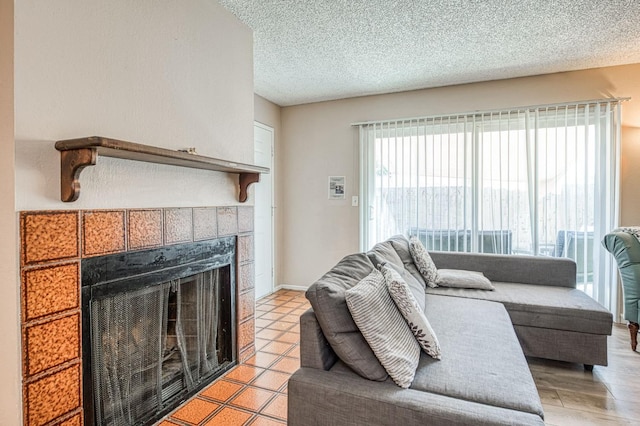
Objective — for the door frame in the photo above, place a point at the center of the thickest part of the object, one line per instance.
(271, 177)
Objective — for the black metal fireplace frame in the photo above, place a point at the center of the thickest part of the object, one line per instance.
(107, 275)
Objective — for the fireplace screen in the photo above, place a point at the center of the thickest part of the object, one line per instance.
(153, 345)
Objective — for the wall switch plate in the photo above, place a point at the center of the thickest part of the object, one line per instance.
(354, 201)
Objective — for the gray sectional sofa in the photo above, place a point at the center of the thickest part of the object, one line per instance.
(483, 377)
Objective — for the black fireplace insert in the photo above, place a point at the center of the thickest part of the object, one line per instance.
(157, 326)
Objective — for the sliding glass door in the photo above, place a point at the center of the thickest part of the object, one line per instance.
(532, 181)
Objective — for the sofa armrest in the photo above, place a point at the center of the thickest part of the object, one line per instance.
(549, 271)
(315, 351)
(624, 247)
(327, 398)
(626, 251)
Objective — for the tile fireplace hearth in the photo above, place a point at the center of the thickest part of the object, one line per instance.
(53, 246)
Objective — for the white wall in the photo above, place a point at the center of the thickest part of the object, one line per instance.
(10, 390)
(630, 172)
(158, 72)
(318, 141)
(173, 74)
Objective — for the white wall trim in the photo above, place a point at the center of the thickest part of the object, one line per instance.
(290, 287)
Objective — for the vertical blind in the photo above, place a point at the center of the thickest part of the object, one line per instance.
(534, 180)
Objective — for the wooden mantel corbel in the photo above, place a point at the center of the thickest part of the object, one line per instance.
(76, 154)
(71, 164)
(244, 180)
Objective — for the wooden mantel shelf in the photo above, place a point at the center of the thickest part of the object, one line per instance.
(76, 154)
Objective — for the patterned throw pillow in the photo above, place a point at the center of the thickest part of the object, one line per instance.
(384, 328)
(417, 289)
(410, 310)
(423, 261)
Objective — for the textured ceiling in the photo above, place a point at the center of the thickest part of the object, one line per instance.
(315, 50)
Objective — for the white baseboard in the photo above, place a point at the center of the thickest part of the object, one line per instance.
(290, 287)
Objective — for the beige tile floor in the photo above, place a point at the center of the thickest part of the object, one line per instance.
(255, 392)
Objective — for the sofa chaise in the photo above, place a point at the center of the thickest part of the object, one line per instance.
(483, 377)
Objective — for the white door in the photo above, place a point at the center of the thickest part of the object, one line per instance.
(263, 225)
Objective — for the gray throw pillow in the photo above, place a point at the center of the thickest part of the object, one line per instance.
(423, 261)
(327, 297)
(400, 244)
(412, 312)
(384, 328)
(459, 278)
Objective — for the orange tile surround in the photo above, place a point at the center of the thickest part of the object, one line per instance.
(76, 420)
(178, 226)
(52, 396)
(52, 343)
(255, 392)
(245, 246)
(246, 302)
(52, 246)
(246, 332)
(247, 277)
(50, 290)
(205, 223)
(144, 228)
(49, 236)
(227, 221)
(245, 219)
(103, 232)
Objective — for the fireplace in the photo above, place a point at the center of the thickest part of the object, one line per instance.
(55, 246)
(157, 326)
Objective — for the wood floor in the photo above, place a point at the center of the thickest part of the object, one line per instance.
(255, 392)
(608, 396)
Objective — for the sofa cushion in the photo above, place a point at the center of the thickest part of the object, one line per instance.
(559, 308)
(384, 328)
(459, 278)
(412, 312)
(341, 397)
(483, 363)
(507, 268)
(401, 245)
(385, 254)
(423, 262)
(327, 297)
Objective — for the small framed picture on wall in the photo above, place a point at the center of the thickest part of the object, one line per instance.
(336, 187)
